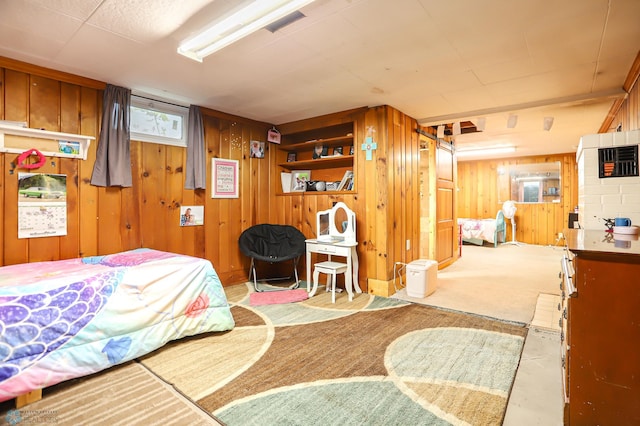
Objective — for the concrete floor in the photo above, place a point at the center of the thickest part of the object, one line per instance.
(536, 397)
(496, 282)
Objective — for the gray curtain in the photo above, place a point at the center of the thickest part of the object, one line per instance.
(113, 157)
(196, 173)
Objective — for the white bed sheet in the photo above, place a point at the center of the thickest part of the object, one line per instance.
(481, 229)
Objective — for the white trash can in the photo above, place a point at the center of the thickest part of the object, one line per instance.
(422, 277)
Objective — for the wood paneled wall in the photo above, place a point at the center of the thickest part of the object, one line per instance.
(386, 199)
(108, 220)
(57, 104)
(536, 223)
(629, 113)
(386, 196)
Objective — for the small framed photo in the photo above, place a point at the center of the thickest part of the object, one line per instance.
(320, 151)
(191, 215)
(337, 150)
(291, 157)
(351, 150)
(257, 149)
(299, 179)
(273, 135)
(69, 147)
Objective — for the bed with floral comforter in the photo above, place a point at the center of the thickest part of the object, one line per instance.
(65, 319)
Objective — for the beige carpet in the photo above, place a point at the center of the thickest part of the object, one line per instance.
(501, 282)
(123, 395)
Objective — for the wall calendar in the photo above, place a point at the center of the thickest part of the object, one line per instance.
(42, 205)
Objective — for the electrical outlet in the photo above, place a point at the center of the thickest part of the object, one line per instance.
(408, 245)
(560, 235)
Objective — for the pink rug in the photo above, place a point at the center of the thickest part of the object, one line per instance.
(277, 297)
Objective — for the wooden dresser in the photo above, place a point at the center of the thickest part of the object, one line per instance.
(600, 329)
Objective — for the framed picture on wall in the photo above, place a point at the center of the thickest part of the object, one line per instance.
(291, 157)
(257, 149)
(191, 215)
(224, 178)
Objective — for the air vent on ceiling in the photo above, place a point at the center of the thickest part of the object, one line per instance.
(283, 22)
(621, 161)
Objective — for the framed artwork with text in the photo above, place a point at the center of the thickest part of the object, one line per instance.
(224, 178)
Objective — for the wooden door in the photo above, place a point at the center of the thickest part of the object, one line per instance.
(446, 228)
(427, 168)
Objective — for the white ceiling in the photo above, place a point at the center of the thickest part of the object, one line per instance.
(438, 61)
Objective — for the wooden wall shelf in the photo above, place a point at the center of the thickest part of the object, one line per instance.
(319, 163)
(16, 140)
(308, 145)
(327, 168)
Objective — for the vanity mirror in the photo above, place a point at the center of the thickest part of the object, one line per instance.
(530, 183)
(336, 224)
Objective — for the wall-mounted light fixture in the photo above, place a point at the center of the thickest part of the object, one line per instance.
(252, 17)
(512, 121)
(481, 124)
(547, 123)
(456, 129)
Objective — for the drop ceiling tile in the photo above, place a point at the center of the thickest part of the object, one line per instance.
(78, 9)
(33, 22)
(159, 18)
(518, 67)
(110, 56)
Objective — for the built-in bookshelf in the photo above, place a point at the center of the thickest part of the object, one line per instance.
(327, 153)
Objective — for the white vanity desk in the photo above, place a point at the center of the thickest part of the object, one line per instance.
(334, 242)
(340, 248)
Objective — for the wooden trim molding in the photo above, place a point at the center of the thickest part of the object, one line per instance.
(65, 77)
(633, 75)
(629, 82)
(613, 111)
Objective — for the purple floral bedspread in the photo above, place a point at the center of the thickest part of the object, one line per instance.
(70, 318)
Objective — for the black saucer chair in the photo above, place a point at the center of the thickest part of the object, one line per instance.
(272, 244)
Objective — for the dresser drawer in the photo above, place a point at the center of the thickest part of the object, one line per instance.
(325, 249)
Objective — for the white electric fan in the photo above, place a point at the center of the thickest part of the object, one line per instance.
(509, 210)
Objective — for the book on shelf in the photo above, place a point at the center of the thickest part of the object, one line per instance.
(347, 180)
(286, 181)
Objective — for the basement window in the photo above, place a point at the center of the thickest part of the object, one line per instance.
(158, 121)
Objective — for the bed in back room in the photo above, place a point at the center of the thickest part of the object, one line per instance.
(477, 231)
(65, 319)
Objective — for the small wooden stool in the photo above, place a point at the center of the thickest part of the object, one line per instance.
(331, 269)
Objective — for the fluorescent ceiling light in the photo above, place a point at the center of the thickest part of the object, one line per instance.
(252, 17)
(485, 151)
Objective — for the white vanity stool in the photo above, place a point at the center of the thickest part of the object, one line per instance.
(331, 269)
(336, 237)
